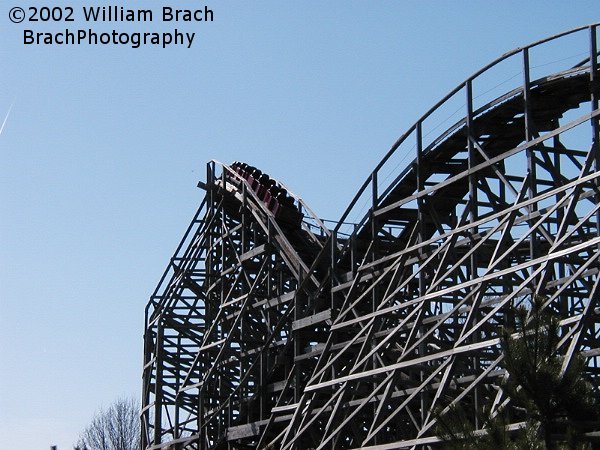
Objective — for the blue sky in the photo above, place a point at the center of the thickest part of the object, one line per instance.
(103, 148)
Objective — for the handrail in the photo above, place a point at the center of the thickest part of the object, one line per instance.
(305, 207)
(373, 175)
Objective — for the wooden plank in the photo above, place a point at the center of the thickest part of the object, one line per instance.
(244, 431)
(311, 320)
(284, 408)
(254, 252)
(275, 301)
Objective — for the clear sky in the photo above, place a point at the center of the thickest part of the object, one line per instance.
(103, 147)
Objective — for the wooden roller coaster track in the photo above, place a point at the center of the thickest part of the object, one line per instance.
(269, 330)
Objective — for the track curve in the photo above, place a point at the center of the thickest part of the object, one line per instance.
(493, 213)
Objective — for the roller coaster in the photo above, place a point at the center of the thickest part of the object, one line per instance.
(270, 330)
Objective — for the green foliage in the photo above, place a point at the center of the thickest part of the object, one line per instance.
(558, 401)
(458, 433)
(554, 403)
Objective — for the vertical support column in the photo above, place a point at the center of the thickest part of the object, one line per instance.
(262, 387)
(201, 427)
(224, 329)
(375, 289)
(473, 216)
(147, 375)
(420, 187)
(374, 239)
(244, 392)
(177, 391)
(375, 196)
(353, 260)
(560, 213)
(595, 83)
(210, 184)
(212, 261)
(374, 226)
(296, 366)
(333, 269)
(158, 387)
(422, 282)
(244, 218)
(221, 425)
(530, 152)
(264, 356)
(472, 162)
(595, 87)
(203, 403)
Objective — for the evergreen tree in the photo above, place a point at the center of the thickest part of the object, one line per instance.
(561, 403)
(557, 406)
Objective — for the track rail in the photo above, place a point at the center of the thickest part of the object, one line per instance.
(500, 209)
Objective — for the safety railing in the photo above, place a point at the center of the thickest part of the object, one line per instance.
(512, 73)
